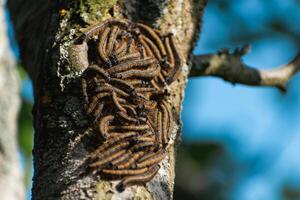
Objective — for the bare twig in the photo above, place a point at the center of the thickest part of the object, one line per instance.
(230, 67)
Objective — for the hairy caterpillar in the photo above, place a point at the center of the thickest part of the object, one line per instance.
(130, 65)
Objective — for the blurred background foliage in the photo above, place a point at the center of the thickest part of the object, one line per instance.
(238, 142)
(25, 127)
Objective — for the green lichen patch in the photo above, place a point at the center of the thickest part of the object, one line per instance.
(104, 190)
(142, 194)
(95, 10)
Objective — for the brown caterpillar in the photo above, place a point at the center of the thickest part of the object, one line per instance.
(131, 160)
(112, 141)
(151, 160)
(138, 179)
(124, 93)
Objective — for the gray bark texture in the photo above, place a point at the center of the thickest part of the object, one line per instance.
(230, 67)
(45, 31)
(11, 183)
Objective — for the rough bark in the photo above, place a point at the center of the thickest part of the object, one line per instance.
(11, 183)
(45, 31)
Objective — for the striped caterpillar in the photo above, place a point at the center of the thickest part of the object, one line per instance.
(124, 93)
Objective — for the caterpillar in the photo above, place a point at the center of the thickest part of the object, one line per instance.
(123, 90)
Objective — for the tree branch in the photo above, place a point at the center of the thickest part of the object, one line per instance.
(230, 67)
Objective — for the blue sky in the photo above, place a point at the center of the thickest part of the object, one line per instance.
(258, 126)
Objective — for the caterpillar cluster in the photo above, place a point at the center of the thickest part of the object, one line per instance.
(124, 90)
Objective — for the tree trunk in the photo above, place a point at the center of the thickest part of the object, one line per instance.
(45, 31)
(11, 184)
